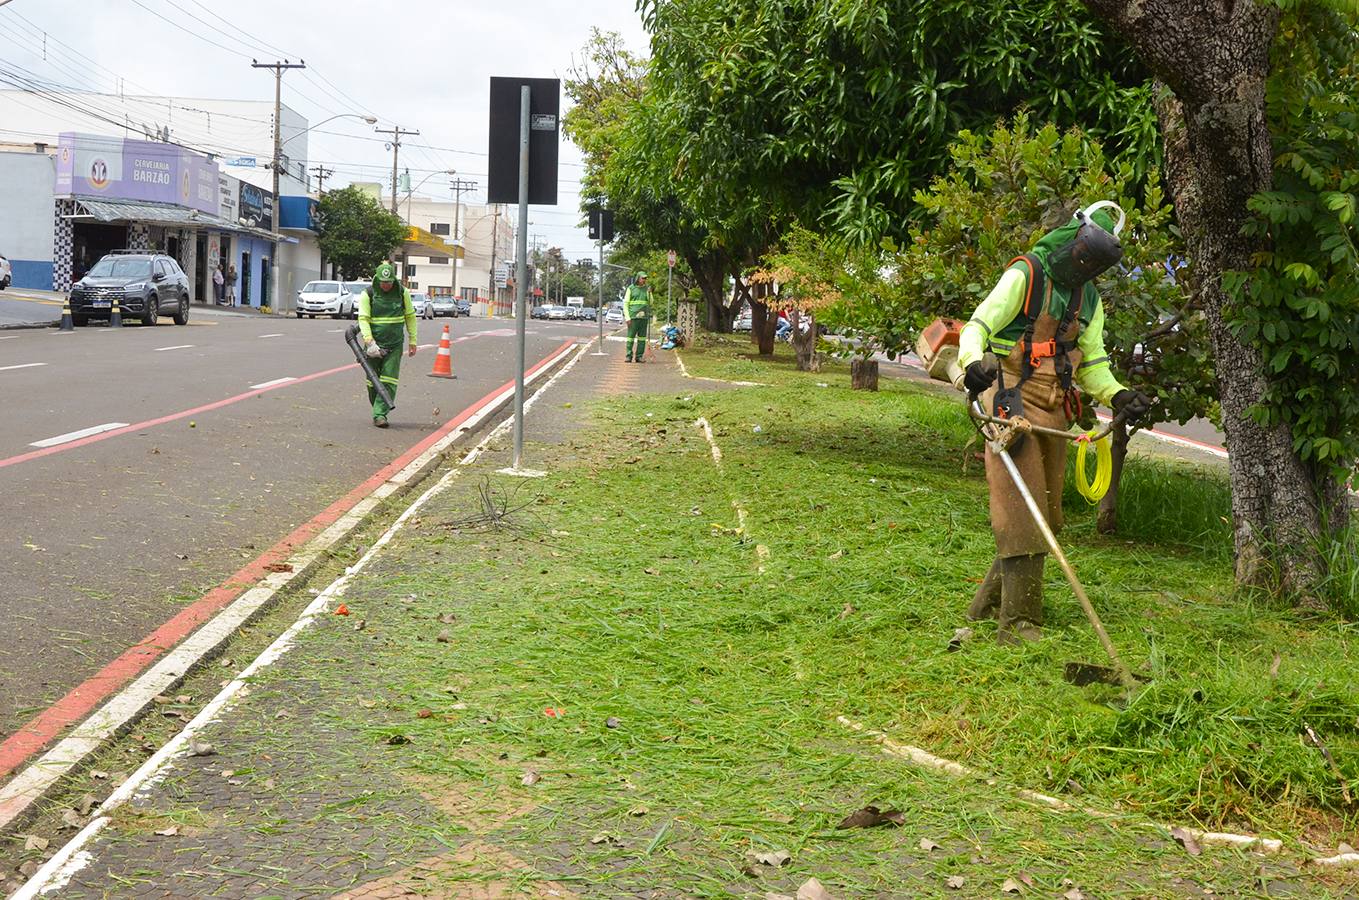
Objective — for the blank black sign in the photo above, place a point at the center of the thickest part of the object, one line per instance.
(502, 183)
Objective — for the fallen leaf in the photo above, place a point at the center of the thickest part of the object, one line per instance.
(225, 663)
(87, 803)
(955, 882)
(448, 618)
(1274, 669)
(554, 712)
(33, 842)
(780, 818)
(1011, 887)
(342, 610)
(269, 784)
(227, 773)
(98, 774)
(73, 819)
(180, 556)
(285, 714)
(235, 781)
(612, 722)
(960, 636)
(1186, 840)
(162, 700)
(368, 703)
(1025, 878)
(639, 810)
(812, 890)
(445, 637)
(397, 740)
(837, 554)
(1074, 894)
(928, 845)
(847, 611)
(458, 706)
(201, 748)
(770, 895)
(774, 858)
(530, 778)
(28, 869)
(360, 624)
(425, 713)
(871, 817)
(1074, 786)
(278, 567)
(169, 832)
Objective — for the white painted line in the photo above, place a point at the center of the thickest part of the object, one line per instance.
(77, 435)
(269, 384)
(279, 334)
(40, 776)
(8, 337)
(176, 347)
(24, 366)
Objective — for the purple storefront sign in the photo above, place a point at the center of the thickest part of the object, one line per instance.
(92, 165)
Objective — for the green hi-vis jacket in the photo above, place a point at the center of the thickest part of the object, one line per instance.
(999, 320)
(639, 299)
(383, 315)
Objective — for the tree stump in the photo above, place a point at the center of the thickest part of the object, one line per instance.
(863, 374)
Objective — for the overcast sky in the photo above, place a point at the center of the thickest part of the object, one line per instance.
(421, 64)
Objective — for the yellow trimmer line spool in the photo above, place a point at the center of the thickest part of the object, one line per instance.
(1104, 468)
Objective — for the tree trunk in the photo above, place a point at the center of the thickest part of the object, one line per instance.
(863, 374)
(804, 345)
(1214, 55)
(1107, 521)
(710, 271)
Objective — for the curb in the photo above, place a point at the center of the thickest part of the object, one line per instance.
(43, 775)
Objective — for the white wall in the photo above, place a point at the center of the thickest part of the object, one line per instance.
(27, 181)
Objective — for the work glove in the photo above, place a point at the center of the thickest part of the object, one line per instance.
(976, 379)
(373, 350)
(1133, 404)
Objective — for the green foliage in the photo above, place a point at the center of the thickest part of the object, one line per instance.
(836, 113)
(1004, 191)
(355, 233)
(1298, 306)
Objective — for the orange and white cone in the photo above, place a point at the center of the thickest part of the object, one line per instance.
(443, 362)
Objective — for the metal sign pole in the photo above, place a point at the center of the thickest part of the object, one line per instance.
(521, 275)
(599, 313)
(669, 279)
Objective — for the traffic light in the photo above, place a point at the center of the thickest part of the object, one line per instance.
(601, 224)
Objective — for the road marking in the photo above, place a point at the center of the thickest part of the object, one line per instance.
(280, 334)
(77, 435)
(24, 366)
(36, 300)
(302, 550)
(176, 347)
(8, 337)
(269, 384)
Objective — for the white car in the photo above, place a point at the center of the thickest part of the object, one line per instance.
(325, 298)
(423, 308)
(559, 312)
(614, 316)
(6, 276)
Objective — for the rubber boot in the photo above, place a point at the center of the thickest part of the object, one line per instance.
(1021, 599)
(986, 604)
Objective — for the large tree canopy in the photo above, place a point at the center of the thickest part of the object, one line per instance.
(355, 233)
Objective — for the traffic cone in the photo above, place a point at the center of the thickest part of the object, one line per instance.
(116, 316)
(443, 361)
(67, 323)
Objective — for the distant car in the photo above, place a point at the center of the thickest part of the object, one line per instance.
(6, 276)
(559, 312)
(142, 282)
(539, 312)
(443, 306)
(588, 313)
(464, 306)
(743, 321)
(356, 288)
(325, 298)
(613, 316)
(423, 308)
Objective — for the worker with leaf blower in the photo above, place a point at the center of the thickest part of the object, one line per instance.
(637, 309)
(1045, 323)
(386, 316)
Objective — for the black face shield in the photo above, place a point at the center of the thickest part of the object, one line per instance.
(1092, 251)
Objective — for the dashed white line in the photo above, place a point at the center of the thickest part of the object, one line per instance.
(280, 334)
(24, 366)
(176, 347)
(77, 435)
(269, 384)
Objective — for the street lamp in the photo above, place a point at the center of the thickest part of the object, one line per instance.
(410, 191)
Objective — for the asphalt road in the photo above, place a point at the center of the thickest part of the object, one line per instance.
(109, 537)
(20, 306)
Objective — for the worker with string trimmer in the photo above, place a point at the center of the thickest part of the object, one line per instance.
(1045, 322)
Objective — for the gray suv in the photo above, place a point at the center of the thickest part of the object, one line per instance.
(144, 283)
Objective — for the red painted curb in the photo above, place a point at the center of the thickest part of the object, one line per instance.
(35, 734)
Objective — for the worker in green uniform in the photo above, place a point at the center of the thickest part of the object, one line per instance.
(386, 316)
(637, 309)
(1045, 322)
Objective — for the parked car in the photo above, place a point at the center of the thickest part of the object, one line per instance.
(326, 298)
(355, 289)
(443, 306)
(423, 309)
(588, 314)
(559, 312)
(538, 312)
(743, 321)
(613, 316)
(6, 275)
(464, 306)
(143, 282)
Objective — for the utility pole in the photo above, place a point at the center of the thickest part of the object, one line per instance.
(495, 234)
(322, 173)
(395, 131)
(458, 187)
(278, 68)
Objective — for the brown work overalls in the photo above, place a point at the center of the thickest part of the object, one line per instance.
(1041, 459)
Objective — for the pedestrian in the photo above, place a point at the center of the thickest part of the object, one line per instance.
(218, 285)
(386, 316)
(637, 310)
(231, 285)
(1045, 322)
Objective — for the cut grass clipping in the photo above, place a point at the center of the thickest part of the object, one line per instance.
(643, 602)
